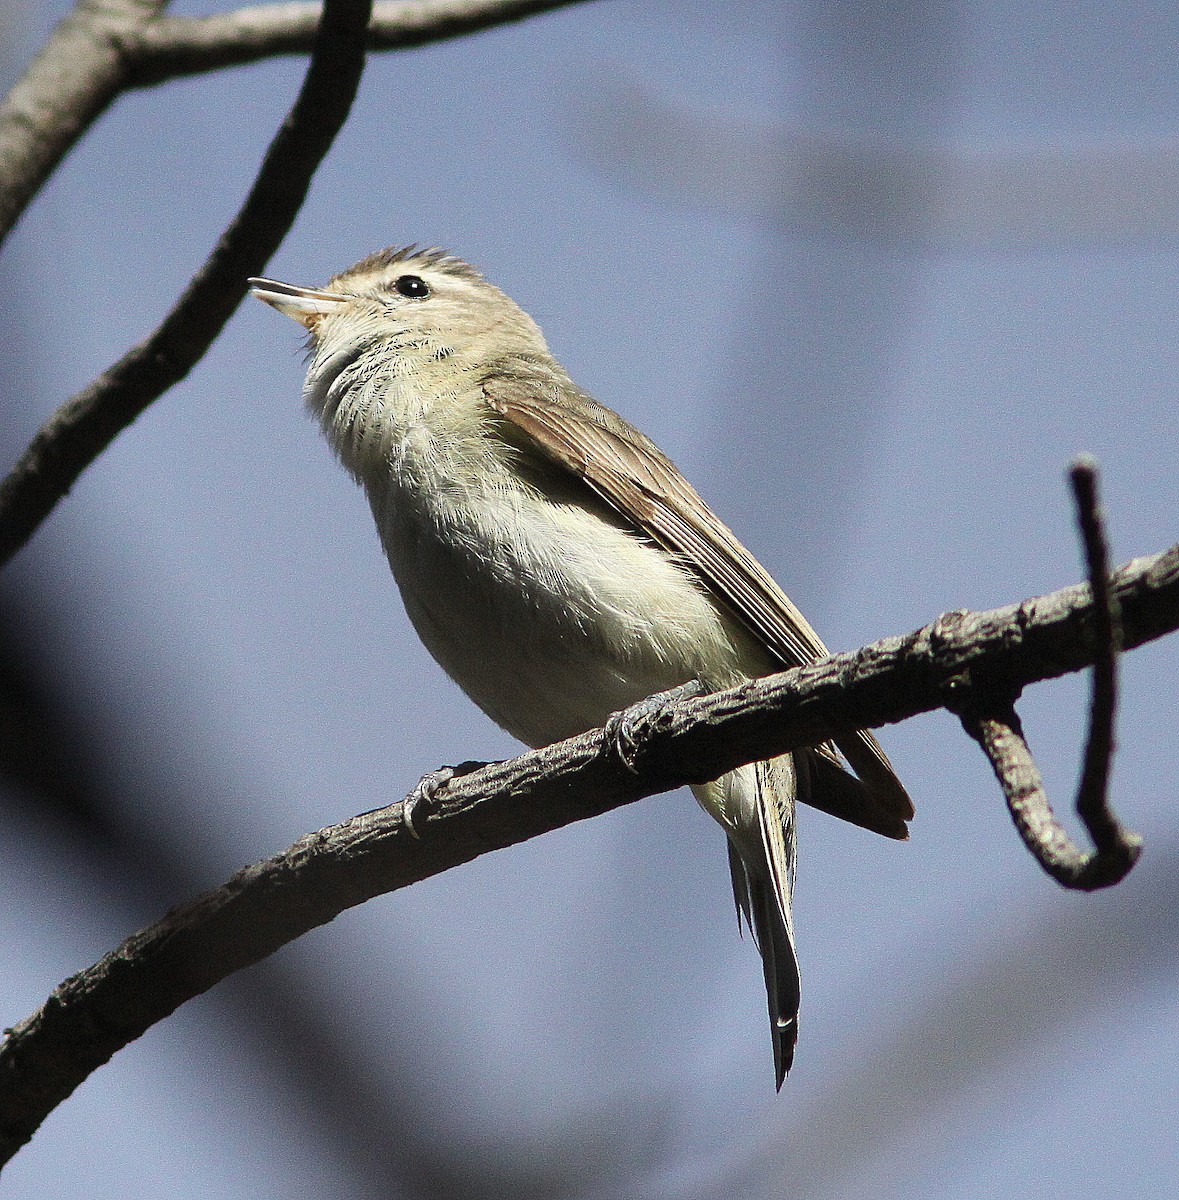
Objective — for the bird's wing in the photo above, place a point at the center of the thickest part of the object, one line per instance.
(640, 482)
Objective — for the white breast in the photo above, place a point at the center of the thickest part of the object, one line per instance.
(547, 612)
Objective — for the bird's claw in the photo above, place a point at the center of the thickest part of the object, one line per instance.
(627, 730)
(426, 790)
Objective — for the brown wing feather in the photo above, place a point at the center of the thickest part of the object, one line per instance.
(639, 481)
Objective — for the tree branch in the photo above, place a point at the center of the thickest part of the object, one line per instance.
(990, 718)
(173, 47)
(99, 50)
(105, 47)
(93, 1014)
(84, 426)
(1117, 849)
(78, 72)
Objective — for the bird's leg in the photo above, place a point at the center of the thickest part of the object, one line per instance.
(627, 730)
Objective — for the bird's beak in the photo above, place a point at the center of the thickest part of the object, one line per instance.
(308, 306)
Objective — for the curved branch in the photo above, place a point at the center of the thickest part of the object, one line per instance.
(84, 426)
(990, 718)
(101, 49)
(92, 1015)
(173, 47)
(68, 85)
(105, 47)
(999, 732)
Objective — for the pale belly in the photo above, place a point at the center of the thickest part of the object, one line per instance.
(549, 614)
(553, 617)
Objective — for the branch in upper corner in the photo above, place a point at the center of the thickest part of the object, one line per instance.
(173, 47)
(103, 48)
(83, 427)
(81, 68)
(99, 50)
(989, 716)
(95, 1013)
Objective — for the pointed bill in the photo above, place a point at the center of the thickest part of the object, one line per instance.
(306, 305)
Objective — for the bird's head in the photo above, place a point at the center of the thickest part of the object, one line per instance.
(423, 304)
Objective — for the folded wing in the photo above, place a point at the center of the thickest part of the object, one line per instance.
(640, 482)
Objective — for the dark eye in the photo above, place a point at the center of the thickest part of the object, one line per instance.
(413, 286)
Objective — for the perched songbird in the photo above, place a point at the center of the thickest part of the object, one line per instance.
(555, 562)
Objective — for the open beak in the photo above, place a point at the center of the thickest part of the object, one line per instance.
(308, 306)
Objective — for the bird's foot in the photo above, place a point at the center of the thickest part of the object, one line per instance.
(426, 790)
(627, 730)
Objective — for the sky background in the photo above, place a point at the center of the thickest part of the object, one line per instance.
(872, 274)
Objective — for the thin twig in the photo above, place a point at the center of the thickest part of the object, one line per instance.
(989, 716)
(100, 1010)
(84, 426)
(1113, 842)
(173, 47)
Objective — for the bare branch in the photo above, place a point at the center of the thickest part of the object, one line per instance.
(92, 1015)
(84, 426)
(988, 715)
(105, 47)
(999, 732)
(79, 71)
(172, 47)
(1115, 846)
(95, 53)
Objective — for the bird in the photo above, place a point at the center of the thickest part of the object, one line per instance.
(557, 564)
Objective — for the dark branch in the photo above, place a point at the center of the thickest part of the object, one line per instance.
(1117, 849)
(106, 46)
(172, 47)
(1002, 739)
(83, 427)
(988, 715)
(100, 1010)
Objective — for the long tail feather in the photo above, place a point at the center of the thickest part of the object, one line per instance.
(760, 804)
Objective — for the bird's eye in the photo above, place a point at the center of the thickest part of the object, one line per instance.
(413, 286)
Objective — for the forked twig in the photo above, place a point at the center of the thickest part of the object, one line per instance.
(992, 721)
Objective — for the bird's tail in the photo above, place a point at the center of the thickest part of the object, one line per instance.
(759, 800)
